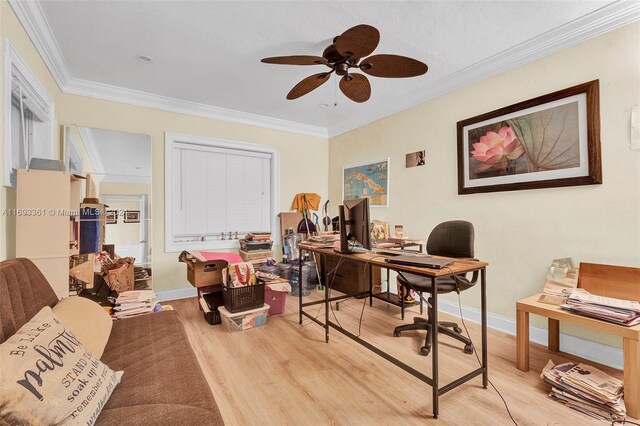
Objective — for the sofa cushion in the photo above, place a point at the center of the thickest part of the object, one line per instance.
(47, 377)
(87, 320)
(163, 382)
(23, 292)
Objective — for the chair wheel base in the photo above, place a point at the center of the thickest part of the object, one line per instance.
(396, 333)
(468, 349)
(424, 351)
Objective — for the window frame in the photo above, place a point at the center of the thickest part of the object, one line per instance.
(12, 59)
(171, 140)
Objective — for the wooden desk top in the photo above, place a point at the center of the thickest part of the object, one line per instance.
(531, 304)
(377, 259)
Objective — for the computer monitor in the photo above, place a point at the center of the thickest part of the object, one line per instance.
(354, 225)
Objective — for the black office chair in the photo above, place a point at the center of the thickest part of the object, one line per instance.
(448, 239)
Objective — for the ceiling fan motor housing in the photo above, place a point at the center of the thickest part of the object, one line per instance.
(342, 68)
(331, 54)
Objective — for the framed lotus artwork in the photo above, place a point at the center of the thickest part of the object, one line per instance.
(549, 141)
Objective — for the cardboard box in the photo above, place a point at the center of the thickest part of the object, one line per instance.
(250, 256)
(289, 220)
(208, 273)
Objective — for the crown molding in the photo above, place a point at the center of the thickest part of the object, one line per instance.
(32, 18)
(607, 18)
(598, 22)
(135, 97)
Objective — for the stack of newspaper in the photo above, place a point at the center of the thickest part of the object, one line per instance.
(586, 389)
(562, 279)
(619, 311)
(131, 303)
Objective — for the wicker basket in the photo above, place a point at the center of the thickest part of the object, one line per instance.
(238, 299)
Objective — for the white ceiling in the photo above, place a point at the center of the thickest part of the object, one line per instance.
(208, 52)
(118, 157)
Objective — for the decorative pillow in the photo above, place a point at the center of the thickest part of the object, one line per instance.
(47, 377)
(87, 320)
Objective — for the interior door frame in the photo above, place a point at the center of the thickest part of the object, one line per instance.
(143, 201)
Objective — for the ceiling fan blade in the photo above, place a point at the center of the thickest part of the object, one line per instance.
(356, 87)
(392, 66)
(308, 84)
(295, 60)
(358, 41)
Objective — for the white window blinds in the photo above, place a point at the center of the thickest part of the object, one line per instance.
(217, 190)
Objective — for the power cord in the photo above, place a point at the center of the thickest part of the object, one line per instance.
(422, 299)
(335, 269)
(624, 422)
(479, 362)
(364, 302)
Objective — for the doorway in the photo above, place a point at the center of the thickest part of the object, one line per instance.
(129, 232)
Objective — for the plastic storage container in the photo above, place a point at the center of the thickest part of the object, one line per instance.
(269, 267)
(312, 281)
(284, 271)
(244, 320)
(290, 247)
(210, 302)
(275, 299)
(306, 289)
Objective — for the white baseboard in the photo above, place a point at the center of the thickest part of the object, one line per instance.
(603, 354)
(594, 351)
(181, 293)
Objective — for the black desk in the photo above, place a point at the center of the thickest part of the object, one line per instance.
(372, 259)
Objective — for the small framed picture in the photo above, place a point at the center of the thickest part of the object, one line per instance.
(132, 216)
(111, 217)
(414, 159)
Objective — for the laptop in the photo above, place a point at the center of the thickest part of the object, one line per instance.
(420, 261)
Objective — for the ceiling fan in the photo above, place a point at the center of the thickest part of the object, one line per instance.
(346, 53)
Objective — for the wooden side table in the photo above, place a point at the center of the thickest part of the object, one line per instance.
(620, 282)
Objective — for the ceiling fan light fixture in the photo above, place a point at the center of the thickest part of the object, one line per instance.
(347, 51)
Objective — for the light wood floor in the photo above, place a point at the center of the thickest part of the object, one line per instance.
(282, 373)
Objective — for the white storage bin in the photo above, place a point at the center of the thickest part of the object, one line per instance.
(244, 320)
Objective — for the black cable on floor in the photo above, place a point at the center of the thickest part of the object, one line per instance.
(479, 362)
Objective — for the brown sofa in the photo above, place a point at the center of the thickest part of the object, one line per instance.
(162, 382)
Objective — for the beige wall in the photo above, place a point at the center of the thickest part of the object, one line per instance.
(517, 232)
(11, 28)
(122, 233)
(295, 175)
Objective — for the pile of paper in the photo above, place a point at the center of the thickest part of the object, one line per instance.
(586, 389)
(619, 311)
(562, 279)
(131, 303)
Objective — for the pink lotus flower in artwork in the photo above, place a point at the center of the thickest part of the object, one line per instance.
(494, 149)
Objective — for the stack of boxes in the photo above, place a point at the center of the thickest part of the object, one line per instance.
(208, 277)
(233, 307)
(256, 248)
